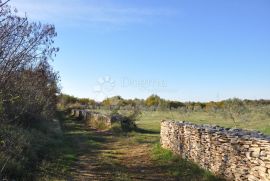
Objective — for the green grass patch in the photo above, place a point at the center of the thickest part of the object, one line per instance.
(180, 168)
(257, 118)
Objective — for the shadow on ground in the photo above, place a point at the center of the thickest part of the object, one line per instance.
(144, 131)
(102, 155)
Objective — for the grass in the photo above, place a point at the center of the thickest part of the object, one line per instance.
(70, 147)
(178, 167)
(35, 154)
(65, 148)
(135, 155)
(63, 155)
(91, 155)
(172, 165)
(257, 118)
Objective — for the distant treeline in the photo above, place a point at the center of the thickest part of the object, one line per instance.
(154, 102)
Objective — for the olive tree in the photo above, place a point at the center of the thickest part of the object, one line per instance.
(235, 109)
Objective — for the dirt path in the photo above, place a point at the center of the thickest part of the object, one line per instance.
(104, 156)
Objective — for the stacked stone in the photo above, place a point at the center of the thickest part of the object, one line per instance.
(93, 119)
(234, 154)
(72, 112)
(76, 113)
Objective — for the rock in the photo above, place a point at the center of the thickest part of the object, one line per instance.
(252, 178)
(234, 153)
(255, 154)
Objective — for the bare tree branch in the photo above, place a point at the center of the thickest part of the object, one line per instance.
(4, 3)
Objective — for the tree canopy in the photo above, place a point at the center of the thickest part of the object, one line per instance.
(28, 84)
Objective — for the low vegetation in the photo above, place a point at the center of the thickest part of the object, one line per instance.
(232, 113)
(133, 155)
(247, 114)
(125, 123)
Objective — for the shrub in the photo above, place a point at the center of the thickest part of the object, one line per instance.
(127, 123)
(1, 109)
(28, 84)
(21, 151)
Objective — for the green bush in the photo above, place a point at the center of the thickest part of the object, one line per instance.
(15, 143)
(128, 124)
(22, 150)
(123, 123)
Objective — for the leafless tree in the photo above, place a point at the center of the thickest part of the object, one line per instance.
(27, 83)
(235, 109)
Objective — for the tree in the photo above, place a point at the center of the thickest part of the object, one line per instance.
(28, 85)
(153, 100)
(131, 103)
(175, 104)
(32, 95)
(3, 3)
(106, 102)
(235, 108)
(139, 103)
(92, 103)
(66, 100)
(84, 101)
(22, 44)
(114, 102)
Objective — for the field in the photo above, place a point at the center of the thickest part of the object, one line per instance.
(81, 153)
(113, 155)
(97, 155)
(257, 119)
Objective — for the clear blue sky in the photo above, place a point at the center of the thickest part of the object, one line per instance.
(189, 50)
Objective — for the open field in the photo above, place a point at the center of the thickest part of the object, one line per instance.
(256, 119)
(137, 155)
(83, 153)
(98, 155)
(152, 120)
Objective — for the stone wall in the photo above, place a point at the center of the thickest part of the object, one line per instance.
(233, 154)
(99, 121)
(92, 119)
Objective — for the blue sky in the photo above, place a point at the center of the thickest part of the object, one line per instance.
(189, 50)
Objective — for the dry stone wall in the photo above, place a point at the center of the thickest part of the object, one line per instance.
(92, 119)
(99, 121)
(233, 154)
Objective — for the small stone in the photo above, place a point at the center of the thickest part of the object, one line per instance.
(253, 178)
(255, 154)
(263, 153)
